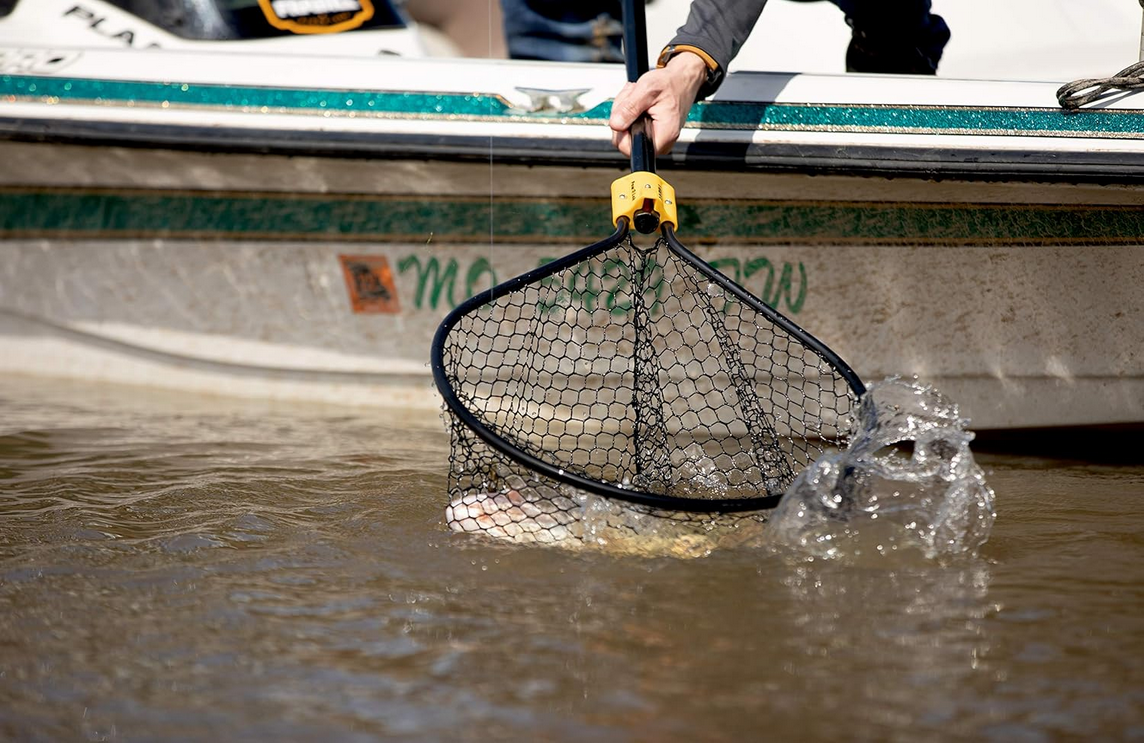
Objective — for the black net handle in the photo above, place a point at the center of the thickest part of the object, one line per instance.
(635, 62)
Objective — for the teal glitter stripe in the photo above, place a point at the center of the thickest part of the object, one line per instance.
(68, 214)
(717, 114)
(938, 119)
(476, 105)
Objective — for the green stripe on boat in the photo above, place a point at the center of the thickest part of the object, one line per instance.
(70, 213)
(1012, 121)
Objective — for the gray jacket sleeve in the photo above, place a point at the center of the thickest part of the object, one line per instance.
(720, 28)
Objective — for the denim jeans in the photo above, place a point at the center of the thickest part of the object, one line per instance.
(889, 35)
(564, 30)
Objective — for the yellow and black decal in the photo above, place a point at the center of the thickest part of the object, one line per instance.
(317, 16)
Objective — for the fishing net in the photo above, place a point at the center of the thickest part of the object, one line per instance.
(639, 374)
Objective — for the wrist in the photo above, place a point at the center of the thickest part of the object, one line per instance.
(693, 64)
(689, 68)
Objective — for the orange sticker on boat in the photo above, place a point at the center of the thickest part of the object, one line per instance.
(370, 284)
(317, 16)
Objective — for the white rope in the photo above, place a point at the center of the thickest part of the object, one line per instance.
(1083, 92)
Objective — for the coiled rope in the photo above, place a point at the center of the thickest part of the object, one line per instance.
(1083, 92)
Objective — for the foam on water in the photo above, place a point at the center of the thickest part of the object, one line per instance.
(907, 483)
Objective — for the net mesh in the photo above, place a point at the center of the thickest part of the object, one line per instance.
(634, 371)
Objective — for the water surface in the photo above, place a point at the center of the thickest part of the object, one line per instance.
(185, 568)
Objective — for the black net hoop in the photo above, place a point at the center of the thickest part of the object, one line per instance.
(637, 374)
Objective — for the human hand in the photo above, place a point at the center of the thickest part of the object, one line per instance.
(665, 95)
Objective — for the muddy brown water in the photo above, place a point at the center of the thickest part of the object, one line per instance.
(188, 568)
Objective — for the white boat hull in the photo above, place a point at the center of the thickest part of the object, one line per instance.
(217, 254)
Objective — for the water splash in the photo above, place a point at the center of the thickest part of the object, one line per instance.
(907, 483)
(699, 474)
